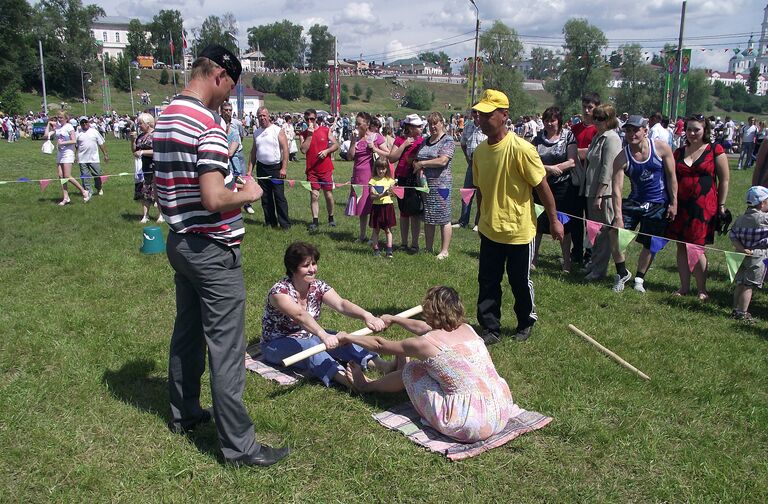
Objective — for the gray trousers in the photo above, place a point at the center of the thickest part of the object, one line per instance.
(210, 311)
(90, 171)
(601, 250)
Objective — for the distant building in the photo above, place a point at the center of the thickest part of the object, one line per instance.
(414, 66)
(253, 61)
(731, 78)
(252, 101)
(111, 32)
(744, 60)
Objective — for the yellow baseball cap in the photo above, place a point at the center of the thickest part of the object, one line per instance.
(491, 100)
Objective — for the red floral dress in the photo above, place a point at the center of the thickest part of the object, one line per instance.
(696, 197)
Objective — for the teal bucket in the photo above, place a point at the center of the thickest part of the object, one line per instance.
(154, 242)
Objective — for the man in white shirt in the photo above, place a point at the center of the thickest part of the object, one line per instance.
(729, 130)
(657, 131)
(748, 133)
(269, 157)
(89, 142)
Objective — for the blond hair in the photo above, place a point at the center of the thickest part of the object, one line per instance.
(443, 308)
(146, 118)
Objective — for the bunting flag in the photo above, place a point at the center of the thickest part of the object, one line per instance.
(398, 191)
(124, 174)
(23, 179)
(733, 260)
(539, 209)
(291, 182)
(277, 181)
(378, 189)
(694, 253)
(593, 229)
(657, 243)
(103, 178)
(444, 193)
(43, 184)
(358, 190)
(63, 181)
(564, 219)
(466, 195)
(422, 189)
(625, 237)
(306, 185)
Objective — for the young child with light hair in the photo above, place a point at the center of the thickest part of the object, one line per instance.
(749, 235)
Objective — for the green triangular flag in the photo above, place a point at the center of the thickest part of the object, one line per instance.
(422, 189)
(539, 209)
(123, 174)
(625, 236)
(733, 260)
(306, 185)
(358, 190)
(63, 181)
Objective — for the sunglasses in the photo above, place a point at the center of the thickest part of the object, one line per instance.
(310, 118)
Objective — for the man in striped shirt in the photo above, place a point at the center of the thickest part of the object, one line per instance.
(196, 197)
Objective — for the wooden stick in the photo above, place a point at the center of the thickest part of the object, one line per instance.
(609, 353)
(309, 352)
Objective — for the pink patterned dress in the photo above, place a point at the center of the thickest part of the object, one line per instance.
(458, 391)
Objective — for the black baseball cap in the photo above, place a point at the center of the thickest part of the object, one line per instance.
(224, 58)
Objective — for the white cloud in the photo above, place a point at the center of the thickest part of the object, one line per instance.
(355, 13)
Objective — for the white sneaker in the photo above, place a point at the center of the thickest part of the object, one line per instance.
(249, 209)
(160, 219)
(87, 197)
(639, 285)
(619, 281)
(101, 192)
(144, 220)
(474, 229)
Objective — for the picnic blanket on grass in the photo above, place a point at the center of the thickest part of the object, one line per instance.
(255, 362)
(405, 419)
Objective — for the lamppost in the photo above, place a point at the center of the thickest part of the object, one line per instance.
(477, 43)
(82, 84)
(239, 87)
(130, 87)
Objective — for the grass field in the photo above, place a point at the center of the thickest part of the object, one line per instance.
(85, 325)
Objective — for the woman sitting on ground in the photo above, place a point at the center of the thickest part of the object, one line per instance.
(290, 325)
(453, 385)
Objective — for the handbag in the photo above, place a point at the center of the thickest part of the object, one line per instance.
(47, 147)
(138, 173)
(351, 204)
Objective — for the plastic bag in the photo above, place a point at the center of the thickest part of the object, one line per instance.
(47, 147)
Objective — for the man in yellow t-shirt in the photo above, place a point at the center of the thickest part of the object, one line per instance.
(505, 170)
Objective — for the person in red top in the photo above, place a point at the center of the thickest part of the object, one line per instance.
(318, 144)
(583, 131)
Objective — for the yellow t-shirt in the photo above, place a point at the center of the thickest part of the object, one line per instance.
(382, 184)
(505, 174)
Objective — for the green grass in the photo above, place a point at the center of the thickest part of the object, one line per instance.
(85, 325)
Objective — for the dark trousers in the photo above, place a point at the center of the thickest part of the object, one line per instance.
(273, 200)
(210, 312)
(494, 259)
(576, 228)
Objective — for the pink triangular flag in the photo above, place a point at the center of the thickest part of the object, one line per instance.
(103, 178)
(398, 191)
(291, 183)
(694, 252)
(466, 195)
(44, 183)
(593, 229)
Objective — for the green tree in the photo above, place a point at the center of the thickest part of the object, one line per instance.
(660, 59)
(317, 87)
(138, 45)
(10, 98)
(165, 25)
(720, 90)
(263, 83)
(369, 94)
(583, 69)
(120, 73)
(501, 49)
(418, 97)
(16, 51)
(357, 90)
(543, 61)
(320, 46)
(164, 77)
(754, 73)
(64, 27)
(289, 87)
(641, 88)
(281, 43)
(440, 58)
(699, 90)
(215, 31)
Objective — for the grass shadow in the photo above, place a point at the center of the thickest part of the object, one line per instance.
(134, 384)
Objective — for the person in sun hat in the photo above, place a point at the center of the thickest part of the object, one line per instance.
(196, 197)
(749, 235)
(506, 170)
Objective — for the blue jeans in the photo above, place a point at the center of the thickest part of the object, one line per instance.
(746, 154)
(323, 365)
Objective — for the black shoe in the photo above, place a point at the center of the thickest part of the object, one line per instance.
(331, 223)
(264, 457)
(490, 337)
(205, 418)
(523, 334)
(312, 228)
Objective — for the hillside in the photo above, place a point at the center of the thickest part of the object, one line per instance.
(384, 98)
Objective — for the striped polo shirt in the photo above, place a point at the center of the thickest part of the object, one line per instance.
(189, 140)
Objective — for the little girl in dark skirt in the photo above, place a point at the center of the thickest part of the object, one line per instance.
(383, 208)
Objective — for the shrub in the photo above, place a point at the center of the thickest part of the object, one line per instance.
(418, 97)
(289, 87)
(263, 83)
(164, 77)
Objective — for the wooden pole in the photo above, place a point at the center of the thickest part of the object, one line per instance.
(609, 353)
(309, 352)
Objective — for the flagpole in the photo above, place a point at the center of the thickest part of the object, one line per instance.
(184, 55)
(173, 69)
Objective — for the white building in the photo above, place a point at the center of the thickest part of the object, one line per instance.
(751, 56)
(111, 32)
(731, 78)
(252, 61)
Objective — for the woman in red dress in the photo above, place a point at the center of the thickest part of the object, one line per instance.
(702, 188)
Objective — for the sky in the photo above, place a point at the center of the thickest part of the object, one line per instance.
(395, 29)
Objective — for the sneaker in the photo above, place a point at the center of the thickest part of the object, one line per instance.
(639, 285)
(332, 223)
(160, 219)
(376, 253)
(490, 337)
(312, 228)
(474, 229)
(101, 192)
(457, 225)
(442, 255)
(144, 220)
(523, 334)
(619, 281)
(249, 209)
(87, 197)
(389, 254)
